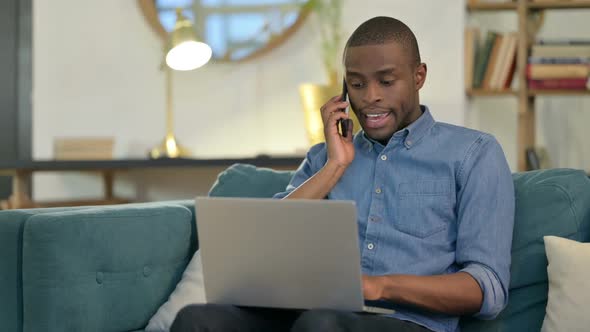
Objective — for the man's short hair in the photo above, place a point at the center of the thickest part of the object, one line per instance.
(382, 30)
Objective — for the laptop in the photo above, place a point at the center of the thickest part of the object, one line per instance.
(290, 254)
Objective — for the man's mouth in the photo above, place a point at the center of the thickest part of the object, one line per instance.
(376, 120)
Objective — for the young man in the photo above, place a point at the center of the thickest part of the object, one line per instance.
(435, 201)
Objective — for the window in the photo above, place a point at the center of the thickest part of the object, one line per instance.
(233, 28)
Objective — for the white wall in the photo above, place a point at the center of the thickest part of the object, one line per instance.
(96, 73)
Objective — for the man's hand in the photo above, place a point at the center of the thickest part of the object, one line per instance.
(340, 149)
(372, 288)
(340, 154)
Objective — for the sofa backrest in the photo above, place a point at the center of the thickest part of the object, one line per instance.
(548, 202)
(78, 269)
(11, 230)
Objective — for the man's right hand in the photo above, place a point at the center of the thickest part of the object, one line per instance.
(340, 149)
(340, 154)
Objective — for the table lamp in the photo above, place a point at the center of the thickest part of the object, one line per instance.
(185, 52)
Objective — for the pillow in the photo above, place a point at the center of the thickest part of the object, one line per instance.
(569, 290)
(243, 180)
(190, 290)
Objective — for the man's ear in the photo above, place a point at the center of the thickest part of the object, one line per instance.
(420, 75)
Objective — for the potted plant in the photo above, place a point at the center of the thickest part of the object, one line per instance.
(328, 17)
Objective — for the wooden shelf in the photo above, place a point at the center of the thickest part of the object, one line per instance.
(571, 4)
(559, 92)
(525, 122)
(481, 6)
(538, 92)
(485, 92)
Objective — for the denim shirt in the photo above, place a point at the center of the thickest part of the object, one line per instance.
(437, 199)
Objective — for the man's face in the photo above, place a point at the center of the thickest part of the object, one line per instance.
(383, 83)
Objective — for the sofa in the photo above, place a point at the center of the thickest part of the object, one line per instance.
(109, 268)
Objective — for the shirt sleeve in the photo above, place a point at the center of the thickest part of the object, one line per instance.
(307, 169)
(485, 212)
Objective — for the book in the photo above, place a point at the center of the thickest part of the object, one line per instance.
(560, 51)
(471, 42)
(83, 148)
(483, 58)
(511, 72)
(561, 84)
(493, 62)
(509, 66)
(546, 41)
(551, 1)
(495, 69)
(543, 71)
(572, 61)
(501, 63)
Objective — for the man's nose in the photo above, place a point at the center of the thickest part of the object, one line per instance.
(372, 93)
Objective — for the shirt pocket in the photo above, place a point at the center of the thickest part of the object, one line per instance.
(423, 207)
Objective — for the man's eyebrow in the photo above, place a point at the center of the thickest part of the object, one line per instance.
(387, 70)
(350, 72)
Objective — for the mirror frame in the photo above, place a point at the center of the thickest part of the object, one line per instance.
(150, 12)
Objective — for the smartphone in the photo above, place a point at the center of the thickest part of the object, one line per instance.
(345, 123)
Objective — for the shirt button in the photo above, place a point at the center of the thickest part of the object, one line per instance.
(370, 246)
(378, 190)
(383, 157)
(408, 142)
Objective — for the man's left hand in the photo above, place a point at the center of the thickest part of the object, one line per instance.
(372, 287)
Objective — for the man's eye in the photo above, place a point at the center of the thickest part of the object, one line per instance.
(357, 85)
(387, 82)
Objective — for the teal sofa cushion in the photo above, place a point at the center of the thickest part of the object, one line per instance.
(10, 282)
(548, 202)
(102, 269)
(243, 180)
(11, 229)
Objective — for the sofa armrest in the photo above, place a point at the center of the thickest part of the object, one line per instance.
(102, 269)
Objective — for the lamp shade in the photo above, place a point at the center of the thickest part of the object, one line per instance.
(186, 52)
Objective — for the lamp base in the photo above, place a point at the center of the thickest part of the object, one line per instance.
(169, 148)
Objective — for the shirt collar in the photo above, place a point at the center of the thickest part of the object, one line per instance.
(410, 135)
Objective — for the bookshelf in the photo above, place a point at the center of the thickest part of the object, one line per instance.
(525, 38)
(560, 4)
(474, 6)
